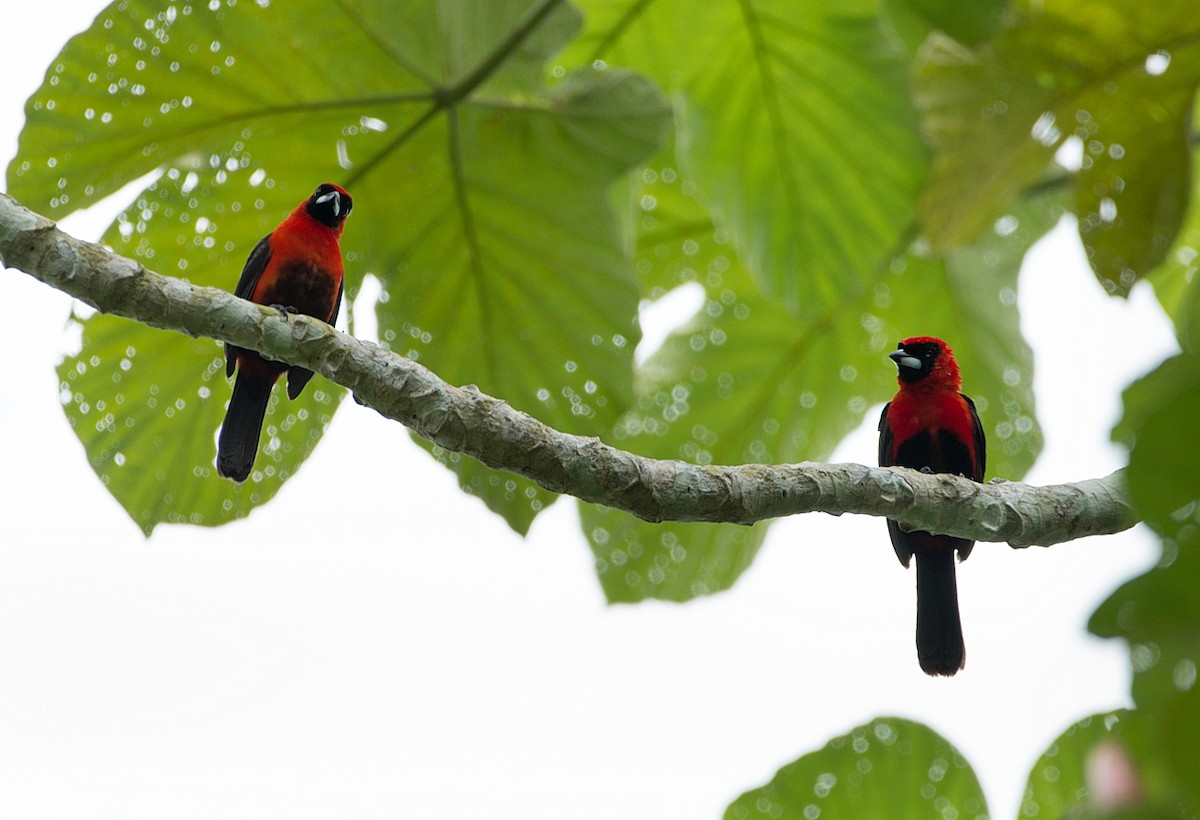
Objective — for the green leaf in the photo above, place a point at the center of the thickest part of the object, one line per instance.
(1160, 605)
(1178, 288)
(796, 127)
(1132, 194)
(1180, 742)
(481, 194)
(746, 382)
(1161, 475)
(146, 406)
(968, 23)
(518, 280)
(889, 767)
(1058, 782)
(1069, 68)
(1146, 395)
(1175, 282)
(1159, 746)
(1158, 615)
(636, 560)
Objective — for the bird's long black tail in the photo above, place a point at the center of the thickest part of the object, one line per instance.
(940, 647)
(237, 446)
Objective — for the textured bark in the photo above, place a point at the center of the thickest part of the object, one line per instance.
(465, 420)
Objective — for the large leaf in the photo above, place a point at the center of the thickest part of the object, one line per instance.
(797, 128)
(1118, 77)
(517, 278)
(480, 201)
(745, 381)
(889, 767)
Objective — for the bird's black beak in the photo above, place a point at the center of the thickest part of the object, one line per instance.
(337, 201)
(902, 359)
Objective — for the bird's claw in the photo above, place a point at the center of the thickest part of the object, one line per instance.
(286, 309)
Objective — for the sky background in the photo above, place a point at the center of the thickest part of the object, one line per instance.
(373, 642)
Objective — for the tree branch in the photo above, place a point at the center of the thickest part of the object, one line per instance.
(465, 420)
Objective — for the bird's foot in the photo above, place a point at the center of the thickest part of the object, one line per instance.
(286, 310)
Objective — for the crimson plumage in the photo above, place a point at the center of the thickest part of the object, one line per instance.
(931, 426)
(297, 268)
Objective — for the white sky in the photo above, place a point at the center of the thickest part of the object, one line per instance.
(374, 643)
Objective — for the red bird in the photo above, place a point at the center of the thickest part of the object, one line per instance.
(932, 427)
(296, 268)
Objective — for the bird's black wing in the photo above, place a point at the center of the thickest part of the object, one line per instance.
(900, 542)
(298, 377)
(256, 263)
(885, 438)
(337, 303)
(980, 441)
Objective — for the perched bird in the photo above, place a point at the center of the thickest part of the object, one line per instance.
(932, 427)
(296, 268)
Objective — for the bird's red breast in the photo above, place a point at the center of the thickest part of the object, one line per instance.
(305, 267)
(913, 412)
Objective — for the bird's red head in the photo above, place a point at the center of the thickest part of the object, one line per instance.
(926, 362)
(329, 205)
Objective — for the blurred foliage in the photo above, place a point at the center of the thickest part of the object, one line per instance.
(1158, 615)
(1162, 478)
(1087, 757)
(1107, 85)
(820, 178)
